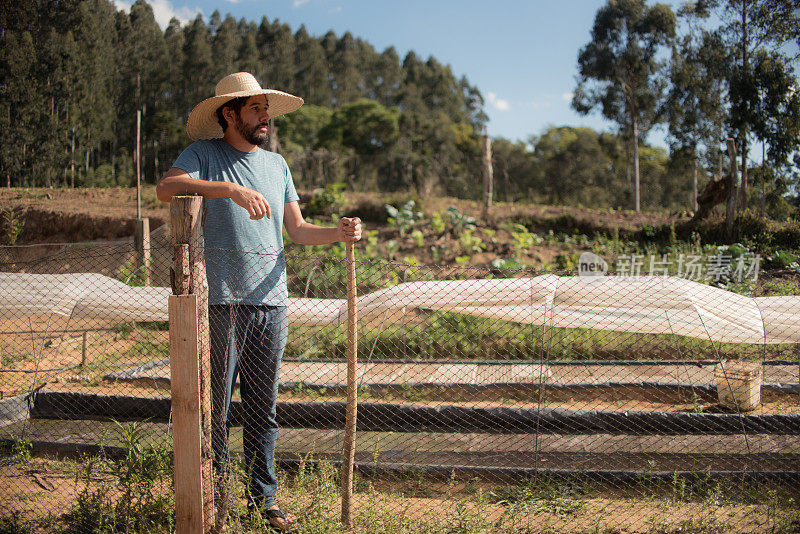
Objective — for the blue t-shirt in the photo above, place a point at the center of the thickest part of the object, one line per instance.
(244, 258)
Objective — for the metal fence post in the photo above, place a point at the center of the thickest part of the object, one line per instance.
(191, 369)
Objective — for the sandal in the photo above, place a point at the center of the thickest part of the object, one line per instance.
(277, 513)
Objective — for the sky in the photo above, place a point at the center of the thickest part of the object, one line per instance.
(521, 54)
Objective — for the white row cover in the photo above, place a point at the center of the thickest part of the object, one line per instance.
(656, 305)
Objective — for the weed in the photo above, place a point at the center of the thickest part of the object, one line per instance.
(13, 226)
(8, 359)
(20, 453)
(135, 500)
(544, 494)
(697, 406)
(14, 524)
(132, 274)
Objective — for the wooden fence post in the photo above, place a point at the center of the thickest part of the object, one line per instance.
(185, 380)
(143, 247)
(733, 192)
(191, 370)
(488, 176)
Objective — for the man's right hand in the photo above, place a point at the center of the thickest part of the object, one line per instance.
(178, 182)
(253, 201)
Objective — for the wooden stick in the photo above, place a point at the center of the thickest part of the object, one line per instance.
(352, 399)
(84, 349)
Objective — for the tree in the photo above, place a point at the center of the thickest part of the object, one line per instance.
(618, 67)
(577, 166)
(198, 63)
(73, 73)
(312, 69)
(225, 45)
(694, 108)
(754, 33)
(345, 69)
(514, 171)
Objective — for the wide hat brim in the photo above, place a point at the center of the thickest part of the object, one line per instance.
(203, 124)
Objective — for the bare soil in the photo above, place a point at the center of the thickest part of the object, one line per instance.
(47, 489)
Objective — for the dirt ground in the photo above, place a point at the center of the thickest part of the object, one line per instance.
(44, 487)
(47, 485)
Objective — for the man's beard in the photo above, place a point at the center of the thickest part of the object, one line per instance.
(251, 135)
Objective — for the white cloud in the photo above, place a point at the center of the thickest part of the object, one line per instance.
(164, 12)
(122, 5)
(298, 3)
(499, 103)
(337, 9)
(567, 96)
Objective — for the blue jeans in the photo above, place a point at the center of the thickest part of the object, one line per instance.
(248, 341)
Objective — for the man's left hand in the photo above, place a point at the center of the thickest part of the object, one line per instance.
(350, 229)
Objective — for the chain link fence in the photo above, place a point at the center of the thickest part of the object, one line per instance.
(490, 399)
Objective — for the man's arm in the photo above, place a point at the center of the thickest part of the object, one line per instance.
(305, 233)
(178, 182)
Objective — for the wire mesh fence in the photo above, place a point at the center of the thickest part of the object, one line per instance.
(506, 400)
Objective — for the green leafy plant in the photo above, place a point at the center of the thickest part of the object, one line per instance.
(523, 242)
(327, 202)
(437, 252)
(391, 249)
(132, 274)
(437, 223)
(419, 238)
(507, 265)
(14, 524)
(405, 218)
(371, 246)
(471, 243)
(460, 221)
(13, 226)
(135, 505)
(20, 453)
(783, 259)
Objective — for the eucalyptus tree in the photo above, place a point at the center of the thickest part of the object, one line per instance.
(694, 105)
(225, 44)
(755, 32)
(198, 63)
(311, 68)
(345, 69)
(247, 57)
(618, 68)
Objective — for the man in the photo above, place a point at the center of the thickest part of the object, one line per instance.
(249, 195)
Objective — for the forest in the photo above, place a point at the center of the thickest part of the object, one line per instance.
(73, 74)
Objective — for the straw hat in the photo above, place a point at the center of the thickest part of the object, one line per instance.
(202, 123)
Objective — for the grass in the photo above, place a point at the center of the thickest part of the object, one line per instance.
(133, 495)
(450, 336)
